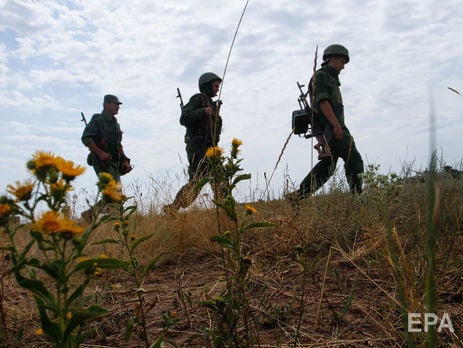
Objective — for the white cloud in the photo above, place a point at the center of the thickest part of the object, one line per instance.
(60, 58)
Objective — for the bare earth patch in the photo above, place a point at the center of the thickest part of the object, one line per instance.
(332, 305)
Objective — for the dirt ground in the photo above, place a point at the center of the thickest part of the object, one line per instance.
(334, 306)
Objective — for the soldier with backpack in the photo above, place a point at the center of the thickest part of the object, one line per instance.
(203, 125)
(330, 112)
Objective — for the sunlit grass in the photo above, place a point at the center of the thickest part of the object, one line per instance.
(356, 254)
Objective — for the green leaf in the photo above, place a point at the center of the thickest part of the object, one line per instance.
(129, 211)
(107, 241)
(108, 263)
(51, 329)
(141, 240)
(33, 262)
(38, 288)
(76, 294)
(158, 343)
(52, 269)
(18, 265)
(241, 178)
(84, 300)
(150, 266)
(223, 241)
(27, 248)
(202, 183)
(257, 225)
(129, 329)
(78, 317)
(229, 208)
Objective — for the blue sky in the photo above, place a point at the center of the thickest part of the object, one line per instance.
(58, 58)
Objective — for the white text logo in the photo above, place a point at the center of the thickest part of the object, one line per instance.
(430, 319)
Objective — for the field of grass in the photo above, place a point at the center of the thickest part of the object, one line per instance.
(337, 271)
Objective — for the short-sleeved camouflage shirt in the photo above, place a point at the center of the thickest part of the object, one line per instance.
(105, 131)
(327, 88)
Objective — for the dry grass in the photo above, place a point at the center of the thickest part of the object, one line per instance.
(340, 291)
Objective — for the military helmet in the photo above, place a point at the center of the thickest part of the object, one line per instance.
(206, 78)
(336, 50)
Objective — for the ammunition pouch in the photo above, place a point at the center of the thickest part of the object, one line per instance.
(89, 159)
(124, 169)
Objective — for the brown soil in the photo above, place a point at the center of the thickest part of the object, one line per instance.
(342, 307)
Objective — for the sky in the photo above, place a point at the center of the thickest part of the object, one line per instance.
(58, 58)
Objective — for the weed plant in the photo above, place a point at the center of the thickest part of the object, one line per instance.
(130, 243)
(232, 314)
(345, 271)
(58, 273)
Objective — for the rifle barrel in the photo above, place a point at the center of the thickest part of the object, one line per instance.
(179, 95)
(83, 118)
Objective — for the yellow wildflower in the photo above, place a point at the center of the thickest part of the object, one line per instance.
(22, 192)
(102, 256)
(43, 166)
(214, 151)
(235, 148)
(48, 223)
(5, 209)
(70, 228)
(42, 159)
(39, 331)
(69, 315)
(133, 237)
(236, 142)
(68, 169)
(59, 187)
(97, 272)
(250, 209)
(113, 192)
(104, 179)
(52, 222)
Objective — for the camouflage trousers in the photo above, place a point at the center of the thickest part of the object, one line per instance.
(353, 164)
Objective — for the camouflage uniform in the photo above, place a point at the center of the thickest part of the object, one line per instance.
(327, 88)
(103, 135)
(105, 131)
(202, 131)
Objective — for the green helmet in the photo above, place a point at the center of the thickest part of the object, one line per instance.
(206, 78)
(336, 50)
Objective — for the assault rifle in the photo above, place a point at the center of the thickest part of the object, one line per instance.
(301, 120)
(83, 118)
(305, 123)
(179, 95)
(102, 144)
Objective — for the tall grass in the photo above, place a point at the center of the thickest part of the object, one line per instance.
(344, 271)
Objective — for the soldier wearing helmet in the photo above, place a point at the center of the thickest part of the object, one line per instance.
(335, 51)
(329, 110)
(203, 125)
